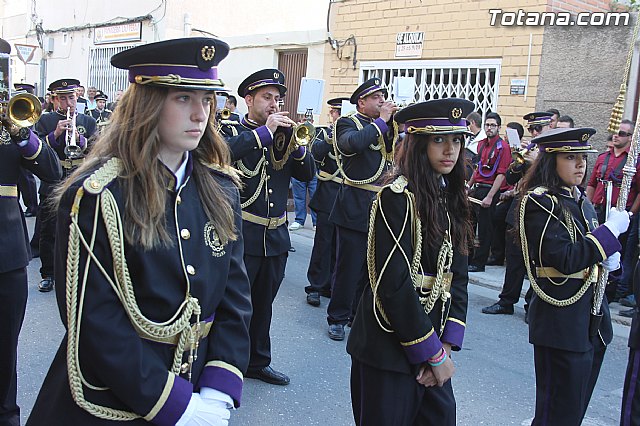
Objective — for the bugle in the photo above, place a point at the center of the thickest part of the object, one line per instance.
(22, 110)
(72, 149)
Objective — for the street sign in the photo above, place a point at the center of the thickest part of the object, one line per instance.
(25, 51)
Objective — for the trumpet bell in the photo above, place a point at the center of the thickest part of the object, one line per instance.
(225, 113)
(304, 133)
(24, 110)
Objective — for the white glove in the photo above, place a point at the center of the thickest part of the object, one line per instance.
(612, 263)
(202, 411)
(617, 222)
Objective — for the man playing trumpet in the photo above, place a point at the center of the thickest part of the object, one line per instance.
(56, 128)
(266, 154)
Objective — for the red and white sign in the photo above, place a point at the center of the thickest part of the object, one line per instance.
(25, 51)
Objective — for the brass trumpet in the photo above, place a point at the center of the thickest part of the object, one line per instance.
(72, 150)
(22, 110)
(518, 156)
(225, 113)
(304, 134)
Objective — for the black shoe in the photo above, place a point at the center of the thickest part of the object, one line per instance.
(292, 249)
(35, 252)
(526, 317)
(474, 268)
(29, 213)
(495, 262)
(498, 309)
(269, 375)
(325, 293)
(628, 313)
(336, 332)
(46, 285)
(313, 298)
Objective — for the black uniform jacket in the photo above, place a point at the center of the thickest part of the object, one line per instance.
(270, 186)
(98, 115)
(86, 127)
(550, 245)
(136, 371)
(361, 159)
(40, 159)
(324, 155)
(513, 176)
(416, 336)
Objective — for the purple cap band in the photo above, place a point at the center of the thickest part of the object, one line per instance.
(371, 90)
(424, 122)
(184, 71)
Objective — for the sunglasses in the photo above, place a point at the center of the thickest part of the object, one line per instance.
(623, 134)
(536, 128)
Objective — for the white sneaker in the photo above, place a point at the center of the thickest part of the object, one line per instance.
(294, 226)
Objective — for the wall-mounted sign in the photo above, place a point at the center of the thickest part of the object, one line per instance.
(518, 86)
(409, 45)
(118, 33)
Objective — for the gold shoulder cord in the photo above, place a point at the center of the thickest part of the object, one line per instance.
(428, 298)
(178, 324)
(379, 146)
(330, 141)
(569, 224)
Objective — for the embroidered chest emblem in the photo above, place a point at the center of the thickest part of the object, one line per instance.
(212, 239)
(279, 141)
(81, 130)
(5, 137)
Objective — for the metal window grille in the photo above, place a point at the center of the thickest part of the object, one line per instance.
(475, 80)
(105, 76)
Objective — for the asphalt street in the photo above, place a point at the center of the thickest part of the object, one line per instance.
(494, 381)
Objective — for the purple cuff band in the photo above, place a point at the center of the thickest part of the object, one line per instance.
(265, 136)
(176, 403)
(453, 333)
(299, 153)
(422, 351)
(222, 380)
(607, 240)
(424, 122)
(52, 140)
(31, 148)
(382, 125)
(82, 142)
(164, 70)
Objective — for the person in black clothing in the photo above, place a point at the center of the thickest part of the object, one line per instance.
(413, 312)
(100, 113)
(323, 255)
(564, 248)
(19, 149)
(53, 129)
(365, 146)
(156, 304)
(630, 413)
(266, 154)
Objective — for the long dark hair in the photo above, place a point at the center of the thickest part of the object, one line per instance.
(542, 173)
(412, 162)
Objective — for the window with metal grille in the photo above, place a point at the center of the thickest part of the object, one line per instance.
(293, 63)
(475, 80)
(105, 76)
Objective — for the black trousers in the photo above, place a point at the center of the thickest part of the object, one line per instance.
(351, 275)
(265, 275)
(387, 398)
(13, 302)
(515, 271)
(47, 218)
(630, 415)
(323, 256)
(483, 218)
(498, 247)
(28, 190)
(564, 384)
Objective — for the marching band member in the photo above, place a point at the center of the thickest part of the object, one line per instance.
(563, 247)
(156, 304)
(265, 153)
(19, 150)
(413, 313)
